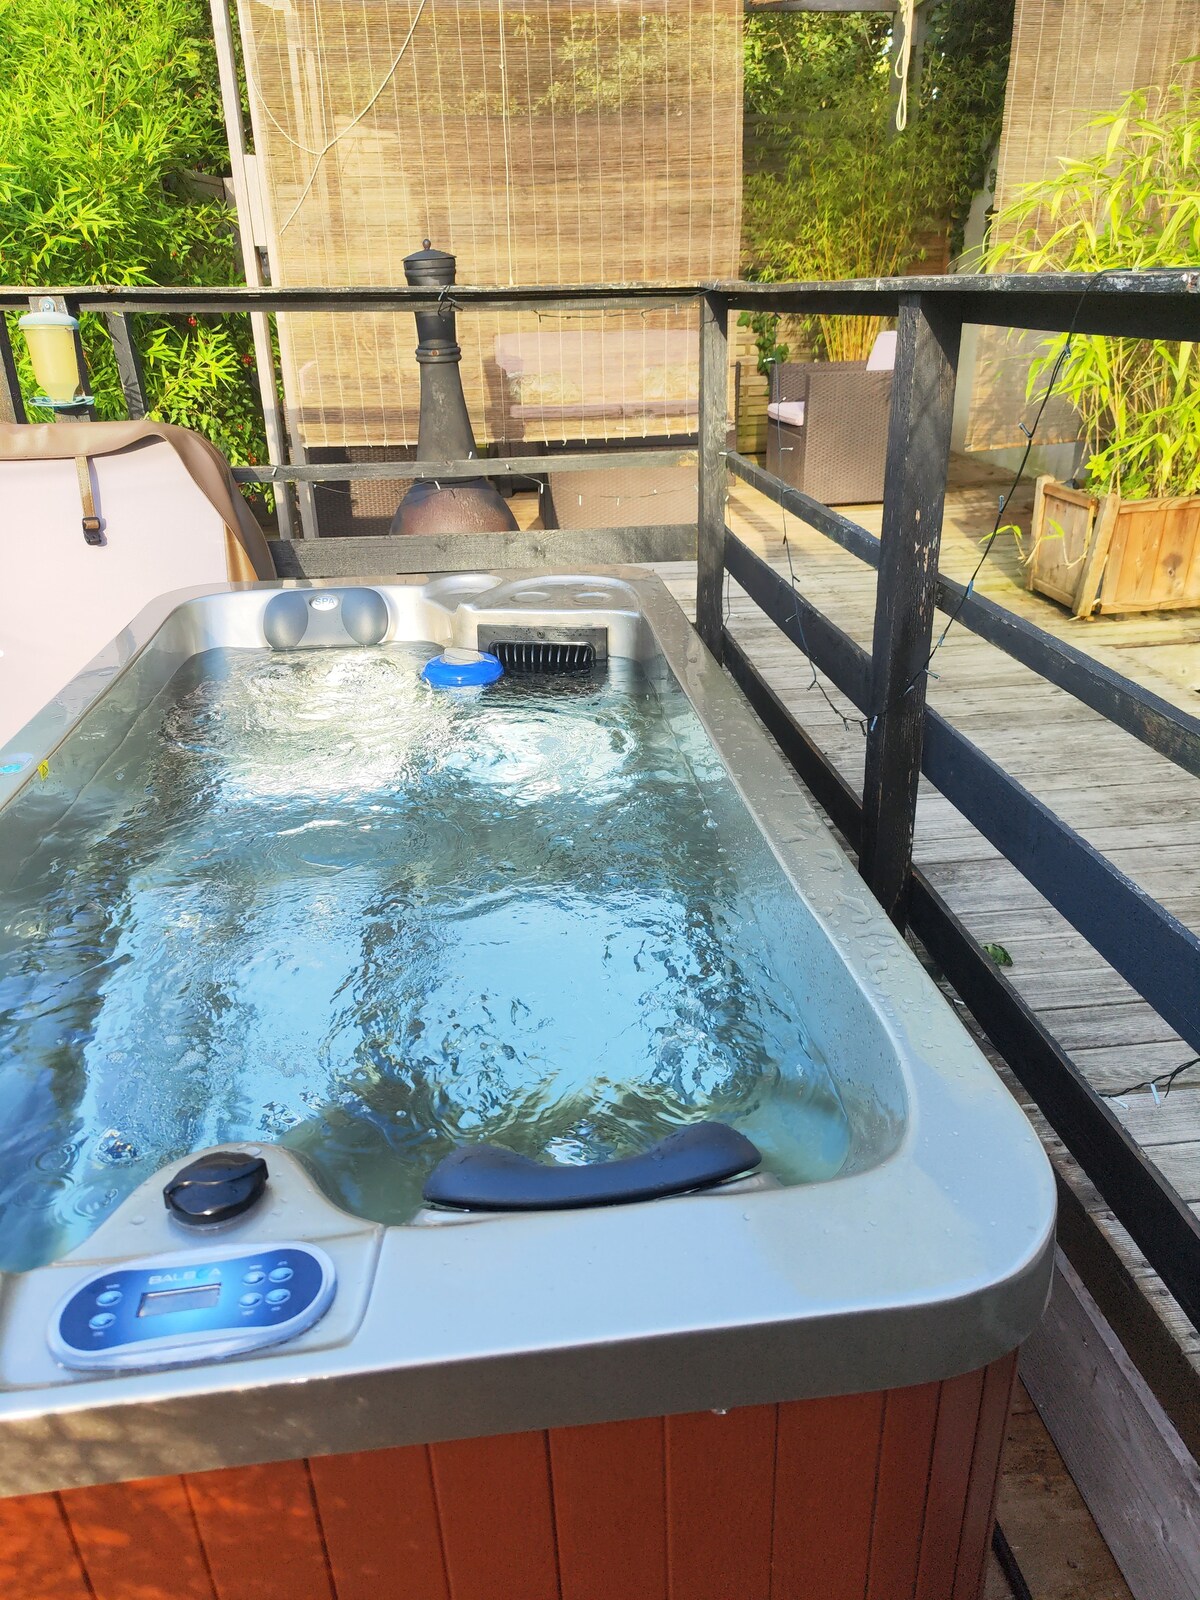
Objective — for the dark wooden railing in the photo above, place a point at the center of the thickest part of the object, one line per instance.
(1150, 948)
(1157, 954)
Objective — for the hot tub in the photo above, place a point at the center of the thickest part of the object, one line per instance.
(402, 958)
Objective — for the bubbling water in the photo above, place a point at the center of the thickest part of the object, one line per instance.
(314, 902)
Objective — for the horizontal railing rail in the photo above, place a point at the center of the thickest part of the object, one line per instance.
(493, 466)
(1165, 728)
(222, 301)
(1141, 304)
(1149, 947)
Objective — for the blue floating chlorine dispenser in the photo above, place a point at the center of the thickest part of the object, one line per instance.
(459, 668)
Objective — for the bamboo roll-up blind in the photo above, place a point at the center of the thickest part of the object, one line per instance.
(1071, 61)
(541, 142)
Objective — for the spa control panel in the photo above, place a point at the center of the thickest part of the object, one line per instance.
(173, 1310)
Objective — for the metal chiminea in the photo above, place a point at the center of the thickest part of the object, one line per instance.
(462, 505)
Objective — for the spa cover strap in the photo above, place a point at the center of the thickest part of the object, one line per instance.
(93, 527)
(247, 554)
(486, 1177)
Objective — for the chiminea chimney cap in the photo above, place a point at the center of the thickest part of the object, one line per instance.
(428, 265)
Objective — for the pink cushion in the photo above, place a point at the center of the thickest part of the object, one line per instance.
(789, 411)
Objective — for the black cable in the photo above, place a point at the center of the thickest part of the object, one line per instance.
(1009, 1565)
(1153, 1083)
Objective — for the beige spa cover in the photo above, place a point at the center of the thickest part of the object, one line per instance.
(172, 517)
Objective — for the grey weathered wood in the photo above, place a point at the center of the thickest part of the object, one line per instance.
(491, 466)
(212, 300)
(471, 552)
(1131, 705)
(841, 529)
(914, 490)
(1155, 952)
(1096, 776)
(1140, 1483)
(129, 363)
(1149, 305)
(12, 404)
(714, 475)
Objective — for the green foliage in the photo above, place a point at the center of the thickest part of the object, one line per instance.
(1133, 204)
(766, 339)
(109, 108)
(831, 193)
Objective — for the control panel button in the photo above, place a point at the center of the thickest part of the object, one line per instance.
(255, 1275)
(278, 1297)
(280, 1274)
(109, 1297)
(250, 1300)
(102, 1320)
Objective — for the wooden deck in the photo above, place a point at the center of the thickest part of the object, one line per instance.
(1137, 807)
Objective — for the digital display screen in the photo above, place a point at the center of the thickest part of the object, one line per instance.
(160, 1301)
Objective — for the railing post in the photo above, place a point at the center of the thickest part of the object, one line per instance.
(713, 473)
(12, 404)
(914, 492)
(129, 363)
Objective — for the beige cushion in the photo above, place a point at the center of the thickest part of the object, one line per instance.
(789, 411)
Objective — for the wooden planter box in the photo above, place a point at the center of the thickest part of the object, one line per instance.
(1108, 554)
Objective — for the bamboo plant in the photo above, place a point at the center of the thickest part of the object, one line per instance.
(1131, 205)
(829, 193)
(108, 107)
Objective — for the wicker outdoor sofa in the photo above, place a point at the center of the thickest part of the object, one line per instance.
(827, 425)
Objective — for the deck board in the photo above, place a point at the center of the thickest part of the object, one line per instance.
(1137, 807)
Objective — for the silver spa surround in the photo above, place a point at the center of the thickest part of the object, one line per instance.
(930, 1255)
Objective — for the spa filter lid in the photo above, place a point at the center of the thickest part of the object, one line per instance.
(458, 668)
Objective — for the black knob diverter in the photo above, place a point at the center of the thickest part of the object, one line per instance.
(216, 1187)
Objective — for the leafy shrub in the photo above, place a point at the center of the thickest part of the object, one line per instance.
(109, 108)
(1133, 204)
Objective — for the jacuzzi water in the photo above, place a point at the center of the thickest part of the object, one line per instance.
(312, 901)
